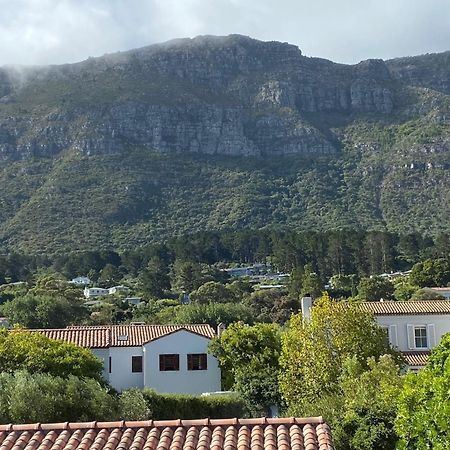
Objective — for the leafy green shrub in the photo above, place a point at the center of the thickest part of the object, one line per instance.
(40, 397)
(133, 406)
(175, 406)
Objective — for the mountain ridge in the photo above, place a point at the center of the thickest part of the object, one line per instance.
(281, 139)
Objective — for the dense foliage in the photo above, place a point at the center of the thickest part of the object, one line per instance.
(36, 353)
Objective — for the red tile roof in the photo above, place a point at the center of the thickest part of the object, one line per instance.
(120, 335)
(408, 308)
(416, 359)
(205, 434)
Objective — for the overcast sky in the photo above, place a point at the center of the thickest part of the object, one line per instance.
(59, 31)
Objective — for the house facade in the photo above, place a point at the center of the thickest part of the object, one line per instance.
(166, 358)
(413, 327)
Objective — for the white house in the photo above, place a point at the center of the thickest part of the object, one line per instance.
(119, 289)
(166, 358)
(95, 292)
(80, 281)
(413, 327)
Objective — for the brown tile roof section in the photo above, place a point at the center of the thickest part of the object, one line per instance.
(109, 336)
(416, 359)
(408, 308)
(204, 434)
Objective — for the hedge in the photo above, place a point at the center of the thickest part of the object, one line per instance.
(183, 406)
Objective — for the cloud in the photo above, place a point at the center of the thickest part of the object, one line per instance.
(59, 31)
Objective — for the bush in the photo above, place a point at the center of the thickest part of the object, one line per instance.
(133, 406)
(175, 406)
(40, 397)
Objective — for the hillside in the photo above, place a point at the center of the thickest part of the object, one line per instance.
(220, 133)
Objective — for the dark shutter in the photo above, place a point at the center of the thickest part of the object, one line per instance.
(136, 364)
(203, 361)
(169, 362)
(110, 364)
(190, 362)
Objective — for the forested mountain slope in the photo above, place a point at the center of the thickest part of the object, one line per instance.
(220, 133)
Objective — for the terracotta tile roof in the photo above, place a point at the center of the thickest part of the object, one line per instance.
(418, 359)
(408, 308)
(205, 434)
(120, 335)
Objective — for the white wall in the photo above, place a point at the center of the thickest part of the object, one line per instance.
(437, 325)
(183, 381)
(103, 355)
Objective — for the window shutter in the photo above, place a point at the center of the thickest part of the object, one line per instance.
(190, 362)
(161, 363)
(203, 361)
(431, 335)
(410, 332)
(393, 335)
(177, 362)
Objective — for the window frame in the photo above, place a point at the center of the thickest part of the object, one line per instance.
(137, 359)
(197, 361)
(421, 337)
(163, 357)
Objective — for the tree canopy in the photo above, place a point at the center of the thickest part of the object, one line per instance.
(35, 352)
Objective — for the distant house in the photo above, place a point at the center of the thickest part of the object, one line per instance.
(95, 292)
(166, 358)
(413, 327)
(133, 300)
(119, 289)
(80, 281)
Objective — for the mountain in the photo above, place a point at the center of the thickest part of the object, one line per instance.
(220, 133)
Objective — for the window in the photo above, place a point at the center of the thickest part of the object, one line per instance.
(110, 365)
(420, 337)
(136, 363)
(197, 361)
(169, 362)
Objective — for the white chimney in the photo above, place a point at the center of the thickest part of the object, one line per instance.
(306, 303)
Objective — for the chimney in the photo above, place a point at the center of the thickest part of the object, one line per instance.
(220, 329)
(306, 303)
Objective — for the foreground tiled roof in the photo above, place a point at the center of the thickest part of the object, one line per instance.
(417, 359)
(120, 335)
(205, 434)
(407, 308)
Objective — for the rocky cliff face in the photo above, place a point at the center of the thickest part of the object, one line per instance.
(211, 95)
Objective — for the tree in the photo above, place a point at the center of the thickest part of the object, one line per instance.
(362, 410)
(186, 276)
(313, 351)
(109, 275)
(427, 294)
(30, 398)
(423, 408)
(155, 278)
(212, 314)
(35, 352)
(404, 290)
(431, 272)
(43, 311)
(132, 405)
(248, 356)
(312, 284)
(212, 292)
(374, 289)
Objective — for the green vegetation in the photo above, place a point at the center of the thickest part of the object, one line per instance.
(36, 353)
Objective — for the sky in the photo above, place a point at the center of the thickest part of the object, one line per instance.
(348, 31)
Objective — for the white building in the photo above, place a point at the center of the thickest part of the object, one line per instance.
(166, 358)
(80, 281)
(413, 327)
(119, 289)
(95, 292)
